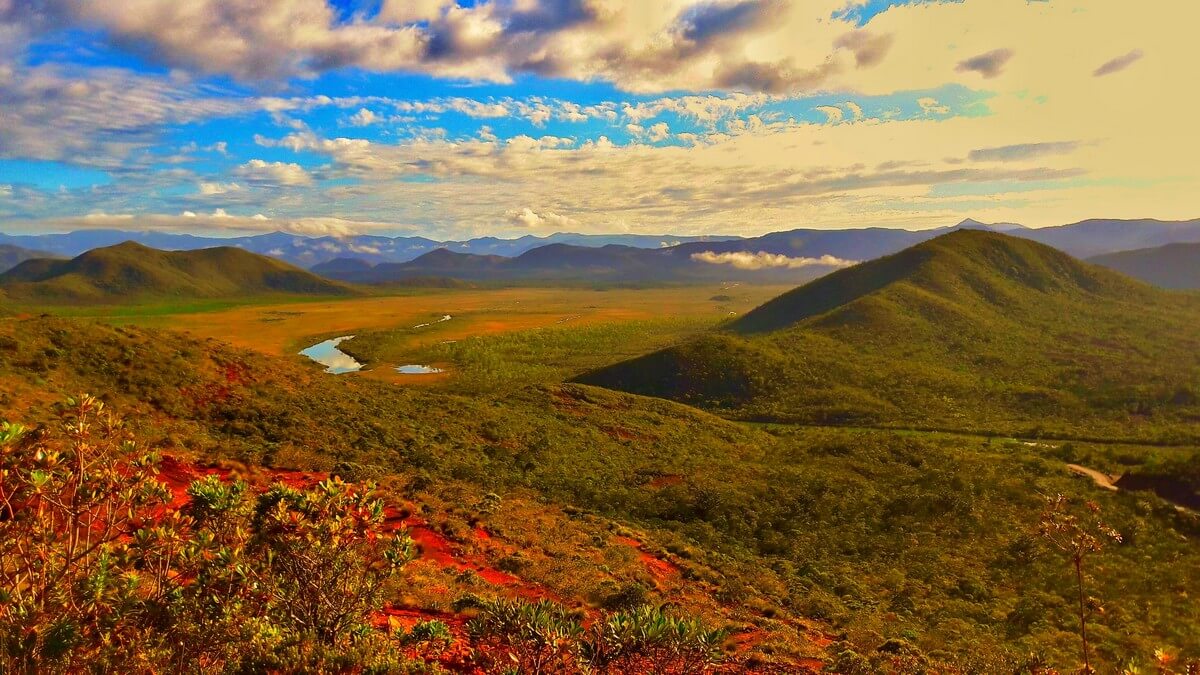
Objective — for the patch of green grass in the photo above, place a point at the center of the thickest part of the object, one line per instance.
(543, 355)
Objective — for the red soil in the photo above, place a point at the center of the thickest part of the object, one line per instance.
(667, 480)
(659, 569)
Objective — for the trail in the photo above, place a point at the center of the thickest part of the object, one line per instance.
(1102, 480)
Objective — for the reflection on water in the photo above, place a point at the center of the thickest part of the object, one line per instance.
(335, 360)
(413, 369)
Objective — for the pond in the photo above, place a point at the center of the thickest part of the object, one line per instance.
(335, 360)
(414, 369)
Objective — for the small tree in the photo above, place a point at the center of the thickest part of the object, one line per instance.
(70, 504)
(1078, 536)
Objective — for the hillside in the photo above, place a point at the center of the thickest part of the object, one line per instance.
(971, 330)
(800, 541)
(132, 272)
(11, 256)
(1171, 266)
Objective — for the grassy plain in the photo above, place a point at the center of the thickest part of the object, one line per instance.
(589, 326)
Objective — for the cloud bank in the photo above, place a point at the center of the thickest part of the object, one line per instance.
(744, 260)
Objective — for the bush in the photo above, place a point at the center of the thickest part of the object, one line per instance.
(98, 573)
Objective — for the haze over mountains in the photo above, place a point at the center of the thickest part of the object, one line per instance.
(308, 251)
(970, 325)
(131, 271)
(11, 256)
(380, 259)
(1170, 266)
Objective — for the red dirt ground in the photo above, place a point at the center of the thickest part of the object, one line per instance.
(437, 549)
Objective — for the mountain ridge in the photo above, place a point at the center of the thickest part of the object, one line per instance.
(132, 271)
(971, 321)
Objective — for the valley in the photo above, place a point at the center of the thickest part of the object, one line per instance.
(807, 536)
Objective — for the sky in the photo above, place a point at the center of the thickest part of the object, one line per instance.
(510, 117)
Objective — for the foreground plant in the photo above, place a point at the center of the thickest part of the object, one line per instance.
(98, 572)
(1078, 536)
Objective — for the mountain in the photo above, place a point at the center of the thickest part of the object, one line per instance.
(131, 271)
(1170, 266)
(1089, 238)
(310, 251)
(971, 328)
(11, 256)
(563, 262)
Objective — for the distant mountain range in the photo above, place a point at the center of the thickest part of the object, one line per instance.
(970, 325)
(131, 272)
(309, 251)
(1171, 266)
(794, 256)
(11, 256)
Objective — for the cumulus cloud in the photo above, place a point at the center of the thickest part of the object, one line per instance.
(363, 118)
(989, 65)
(1118, 64)
(209, 189)
(529, 218)
(274, 173)
(761, 260)
(1022, 151)
(833, 114)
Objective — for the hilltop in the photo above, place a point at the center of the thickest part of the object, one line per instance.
(1171, 266)
(130, 272)
(973, 329)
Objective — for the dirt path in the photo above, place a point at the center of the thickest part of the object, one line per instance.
(1102, 480)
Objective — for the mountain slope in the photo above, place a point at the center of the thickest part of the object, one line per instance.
(970, 330)
(11, 256)
(130, 271)
(1171, 266)
(1094, 237)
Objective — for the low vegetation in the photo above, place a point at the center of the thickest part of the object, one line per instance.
(880, 536)
(971, 331)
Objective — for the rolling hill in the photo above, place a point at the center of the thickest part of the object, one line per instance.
(972, 329)
(132, 272)
(11, 256)
(1171, 266)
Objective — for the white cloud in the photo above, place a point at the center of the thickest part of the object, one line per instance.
(744, 260)
(833, 114)
(363, 118)
(528, 218)
(209, 189)
(274, 173)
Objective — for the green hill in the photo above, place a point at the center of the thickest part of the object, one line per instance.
(132, 272)
(1171, 266)
(972, 330)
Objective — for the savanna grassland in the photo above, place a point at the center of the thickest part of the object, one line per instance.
(863, 548)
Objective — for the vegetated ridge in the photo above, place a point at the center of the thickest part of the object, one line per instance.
(970, 330)
(130, 272)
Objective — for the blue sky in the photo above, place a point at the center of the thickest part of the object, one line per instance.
(509, 117)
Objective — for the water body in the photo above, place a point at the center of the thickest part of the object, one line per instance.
(445, 317)
(335, 360)
(414, 369)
